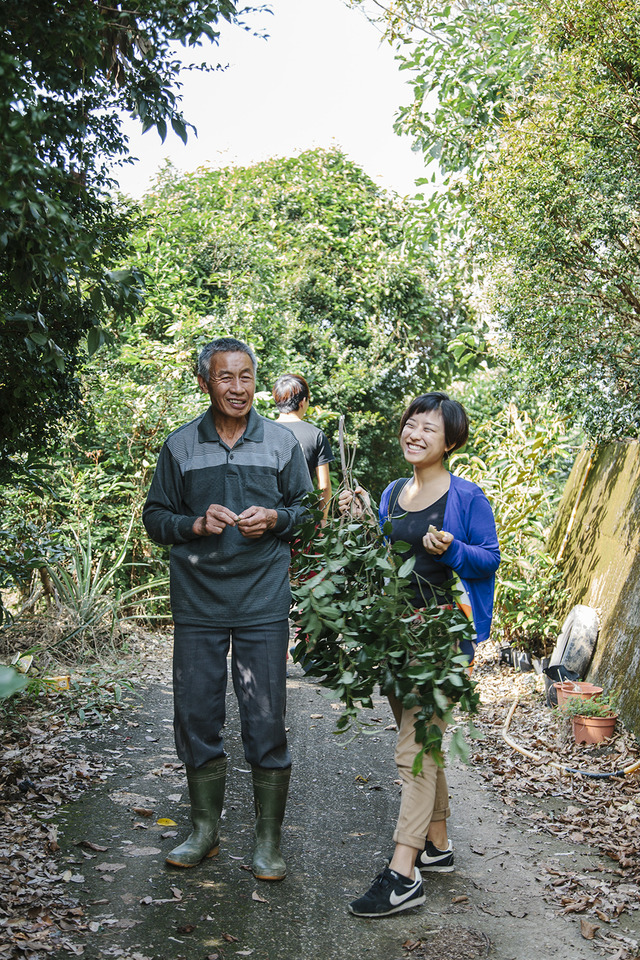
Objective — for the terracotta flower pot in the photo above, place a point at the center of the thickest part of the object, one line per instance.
(568, 689)
(593, 729)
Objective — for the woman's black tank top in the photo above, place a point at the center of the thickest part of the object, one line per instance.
(428, 575)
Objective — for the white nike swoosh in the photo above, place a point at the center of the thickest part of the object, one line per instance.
(395, 899)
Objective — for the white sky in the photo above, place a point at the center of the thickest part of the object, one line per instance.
(323, 78)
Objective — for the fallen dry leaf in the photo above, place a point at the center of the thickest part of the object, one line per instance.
(588, 930)
(256, 896)
(92, 846)
(142, 811)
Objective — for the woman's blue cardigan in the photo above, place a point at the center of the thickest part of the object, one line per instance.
(473, 554)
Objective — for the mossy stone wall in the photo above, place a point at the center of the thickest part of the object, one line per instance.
(597, 534)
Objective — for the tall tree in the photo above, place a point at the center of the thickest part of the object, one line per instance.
(560, 211)
(305, 258)
(69, 72)
(531, 111)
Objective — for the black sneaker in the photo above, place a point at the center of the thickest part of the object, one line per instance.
(437, 861)
(389, 893)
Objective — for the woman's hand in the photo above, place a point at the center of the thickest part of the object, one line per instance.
(354, 502)
(436, 542)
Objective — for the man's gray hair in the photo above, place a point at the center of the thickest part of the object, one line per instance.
(223, 345)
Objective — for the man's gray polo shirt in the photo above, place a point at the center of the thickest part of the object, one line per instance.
(227, 579)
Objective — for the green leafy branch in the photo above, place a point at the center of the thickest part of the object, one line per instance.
(359, 629)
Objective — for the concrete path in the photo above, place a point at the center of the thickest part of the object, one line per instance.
(343, 804)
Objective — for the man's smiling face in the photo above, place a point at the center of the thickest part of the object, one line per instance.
(231, 384)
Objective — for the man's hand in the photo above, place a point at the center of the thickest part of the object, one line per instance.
(254, 521)
(354, 502)
(215, 520)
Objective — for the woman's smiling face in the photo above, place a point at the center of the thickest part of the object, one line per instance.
(423, 440)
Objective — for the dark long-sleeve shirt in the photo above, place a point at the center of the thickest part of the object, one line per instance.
(225, 578)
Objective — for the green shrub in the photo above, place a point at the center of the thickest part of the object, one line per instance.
(521, 465)
(601, 706)
(89, 590)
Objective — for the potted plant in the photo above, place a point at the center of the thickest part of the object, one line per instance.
(593, 719)
(570, 690)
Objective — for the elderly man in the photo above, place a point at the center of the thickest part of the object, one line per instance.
(227, 494)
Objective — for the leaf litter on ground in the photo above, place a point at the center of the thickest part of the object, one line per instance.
(602, 813)
(44, 762)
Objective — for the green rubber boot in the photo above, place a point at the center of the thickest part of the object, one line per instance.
(270, 789)
(206, 793)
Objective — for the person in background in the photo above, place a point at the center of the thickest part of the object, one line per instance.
(228, 495)
(449, 525)
(291, 394)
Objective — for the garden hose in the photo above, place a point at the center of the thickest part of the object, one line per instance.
(622, 772)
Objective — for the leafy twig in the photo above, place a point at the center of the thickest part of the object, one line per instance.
(359, 629)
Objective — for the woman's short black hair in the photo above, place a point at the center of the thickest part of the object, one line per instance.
(456, 424)
(289, 391)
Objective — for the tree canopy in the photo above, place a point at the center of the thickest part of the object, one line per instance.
(531, 111)
(560, 208)
(68, 75)
(305, 258)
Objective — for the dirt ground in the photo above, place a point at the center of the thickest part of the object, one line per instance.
(547, 864)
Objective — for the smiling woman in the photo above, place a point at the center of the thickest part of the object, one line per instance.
(445, 524)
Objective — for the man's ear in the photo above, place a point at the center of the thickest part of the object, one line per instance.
(204, 386)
